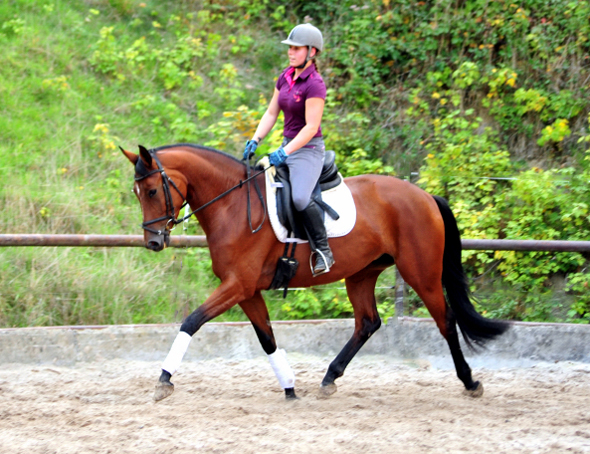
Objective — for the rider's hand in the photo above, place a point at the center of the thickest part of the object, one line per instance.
(250, 149)
(277, 157)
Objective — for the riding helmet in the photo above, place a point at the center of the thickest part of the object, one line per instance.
(305, 35)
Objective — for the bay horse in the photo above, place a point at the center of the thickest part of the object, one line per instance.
(397, 223)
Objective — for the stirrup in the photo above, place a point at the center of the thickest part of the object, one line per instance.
(326, 270)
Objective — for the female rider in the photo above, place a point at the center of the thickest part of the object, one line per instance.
(300, 93)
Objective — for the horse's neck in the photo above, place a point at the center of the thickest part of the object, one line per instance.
(208, 175)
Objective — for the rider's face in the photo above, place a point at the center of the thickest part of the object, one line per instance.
(297, 55)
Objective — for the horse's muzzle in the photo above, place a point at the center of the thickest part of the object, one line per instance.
(158, 242)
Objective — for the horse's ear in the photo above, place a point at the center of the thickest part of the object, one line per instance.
(145, 155)
(131, 156)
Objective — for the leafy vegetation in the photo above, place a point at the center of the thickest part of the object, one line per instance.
(487, 101)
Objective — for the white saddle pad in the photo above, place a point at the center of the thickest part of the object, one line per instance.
(339, 198)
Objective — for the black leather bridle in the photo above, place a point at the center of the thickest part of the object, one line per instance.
(170, 211)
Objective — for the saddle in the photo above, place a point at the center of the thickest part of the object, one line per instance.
(287, 214)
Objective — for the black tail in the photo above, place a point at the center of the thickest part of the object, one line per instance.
(475, 328)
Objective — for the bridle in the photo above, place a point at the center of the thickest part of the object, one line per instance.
(170, 210)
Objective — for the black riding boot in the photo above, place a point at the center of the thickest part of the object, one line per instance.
(313, 221)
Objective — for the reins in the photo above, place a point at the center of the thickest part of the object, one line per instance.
(220, 196)
(259, 197)
(170, 211)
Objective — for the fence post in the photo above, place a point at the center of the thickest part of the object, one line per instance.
(400, 287)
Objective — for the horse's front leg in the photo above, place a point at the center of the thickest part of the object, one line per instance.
(227, 295)
(256, 310)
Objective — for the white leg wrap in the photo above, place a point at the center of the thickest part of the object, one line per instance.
(177, 351)
(279, 363)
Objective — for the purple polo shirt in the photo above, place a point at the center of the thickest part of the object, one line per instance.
(294, 93)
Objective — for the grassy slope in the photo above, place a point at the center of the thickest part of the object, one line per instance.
(60, 119)
(58, 180)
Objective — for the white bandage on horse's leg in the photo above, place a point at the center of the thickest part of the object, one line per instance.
(177, 351)
(279, 363)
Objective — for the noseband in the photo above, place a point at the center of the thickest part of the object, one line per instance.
(170, 211)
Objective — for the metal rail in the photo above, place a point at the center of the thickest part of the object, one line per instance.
(200, 241)
(95, 240)
(526, 245)
(7, 240)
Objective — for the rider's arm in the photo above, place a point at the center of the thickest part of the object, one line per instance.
(314, 109)
(269, 118)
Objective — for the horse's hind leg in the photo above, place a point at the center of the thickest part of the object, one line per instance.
(472, 388)
(361, 292)
(256, 310)
(426, 281)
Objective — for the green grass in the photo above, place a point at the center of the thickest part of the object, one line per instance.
(61, 173)
(62, 119)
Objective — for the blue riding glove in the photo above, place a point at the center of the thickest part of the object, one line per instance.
(250, 149)
(277, 157)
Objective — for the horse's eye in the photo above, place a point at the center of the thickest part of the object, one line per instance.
(152, 192)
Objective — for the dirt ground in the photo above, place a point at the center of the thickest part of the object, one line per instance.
(223, 406)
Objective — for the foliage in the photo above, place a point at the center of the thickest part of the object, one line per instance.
(489, 100)
(537, 204)
(317, 304)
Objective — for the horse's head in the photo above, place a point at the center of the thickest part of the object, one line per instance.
(160, 196)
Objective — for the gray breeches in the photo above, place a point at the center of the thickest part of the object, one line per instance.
(305, 167)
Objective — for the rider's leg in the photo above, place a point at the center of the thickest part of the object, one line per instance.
(305, 166)
(313, 221)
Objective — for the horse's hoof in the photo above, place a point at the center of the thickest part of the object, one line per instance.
(477, 392)
(163, 390)
(290, 394)
(328, 390)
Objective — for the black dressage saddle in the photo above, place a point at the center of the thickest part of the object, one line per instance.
(288, 215)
